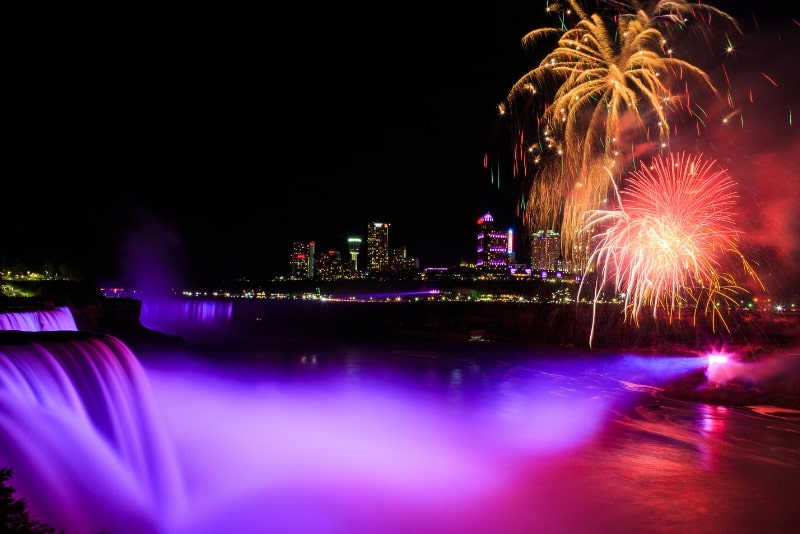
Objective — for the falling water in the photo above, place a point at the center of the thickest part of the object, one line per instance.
(67, 395)
(57, 319)
(312, 438)
(98, 442)
(191, 318)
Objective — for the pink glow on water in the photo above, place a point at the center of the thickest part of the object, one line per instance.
(717, 359)
(725, 368)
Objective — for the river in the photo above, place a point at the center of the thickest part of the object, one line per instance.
(284, 433)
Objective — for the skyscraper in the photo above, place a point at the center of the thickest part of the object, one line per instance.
(329, 266)
(301, 260)
(401, 263)
(492, 250)
(377, 246)
(546, 251)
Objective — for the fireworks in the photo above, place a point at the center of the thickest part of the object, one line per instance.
(666, 244)
(607, 91)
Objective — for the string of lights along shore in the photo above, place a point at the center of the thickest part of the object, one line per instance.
(496, 255)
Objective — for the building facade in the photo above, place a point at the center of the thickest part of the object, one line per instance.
(546, 251)
(301, 260)
(377, 246)
(403, 264)
(492, 248)
(329, 266)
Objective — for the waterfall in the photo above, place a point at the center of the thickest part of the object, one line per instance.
(82, 434)
(38, 320)
(189, 318)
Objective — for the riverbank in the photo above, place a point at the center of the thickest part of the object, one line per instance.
(755, 341)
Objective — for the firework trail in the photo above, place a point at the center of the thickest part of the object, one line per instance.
(606, 95)
(666, 244)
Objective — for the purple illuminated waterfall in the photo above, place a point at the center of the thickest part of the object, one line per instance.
(286, 432)
(81, 433)
(38, 320)
(191, 318)
(98, 441)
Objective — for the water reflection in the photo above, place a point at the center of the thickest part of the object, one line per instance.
(308, 435)
(712, 423)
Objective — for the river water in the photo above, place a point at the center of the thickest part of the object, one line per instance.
(379, 439)
(276, 433)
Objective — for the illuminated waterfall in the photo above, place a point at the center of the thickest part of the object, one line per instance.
(38, 320)
(191, 318)
(81, 433)
(287, 434)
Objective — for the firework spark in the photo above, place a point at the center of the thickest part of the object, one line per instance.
(666, 243)
(608, 90)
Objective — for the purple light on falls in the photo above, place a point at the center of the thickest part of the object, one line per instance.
(188, 316)
(57, 319)
(82, 434)
(101, 440)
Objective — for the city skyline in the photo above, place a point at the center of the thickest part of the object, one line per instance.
(355, 245)
(195, 146)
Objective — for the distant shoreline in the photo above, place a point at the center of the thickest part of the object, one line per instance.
(525, 323)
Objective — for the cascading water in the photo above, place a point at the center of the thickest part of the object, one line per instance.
(56, 319)
(98, 442)
(287, 433)
(190, 318)
(81, 432)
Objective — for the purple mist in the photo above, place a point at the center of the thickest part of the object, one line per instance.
(102, 439)
(96, 441)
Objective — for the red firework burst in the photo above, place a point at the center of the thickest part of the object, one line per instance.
(665, 244)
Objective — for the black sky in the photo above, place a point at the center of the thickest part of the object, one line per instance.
(206, 141)
(221, 136)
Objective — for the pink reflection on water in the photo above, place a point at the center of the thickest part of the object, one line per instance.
(713, 424)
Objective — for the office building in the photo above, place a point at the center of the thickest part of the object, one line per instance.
(546, 252)
(402, 264)
(329, 266)
(301, 260)
(377, 246)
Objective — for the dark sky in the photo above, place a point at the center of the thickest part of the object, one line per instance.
(206, 141)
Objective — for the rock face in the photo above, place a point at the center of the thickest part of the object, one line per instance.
(120, 317)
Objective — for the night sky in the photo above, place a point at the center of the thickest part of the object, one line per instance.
(204, 142)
